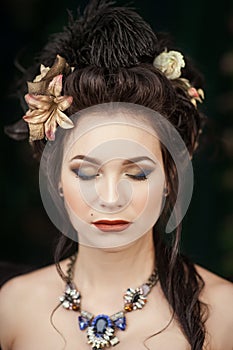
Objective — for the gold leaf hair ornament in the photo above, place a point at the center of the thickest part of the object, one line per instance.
(171, 63)
(45, 102)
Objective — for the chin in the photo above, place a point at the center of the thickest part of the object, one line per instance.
(119, 248)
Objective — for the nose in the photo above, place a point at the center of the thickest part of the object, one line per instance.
(113, 194)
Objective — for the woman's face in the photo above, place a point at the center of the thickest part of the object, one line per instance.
(112, 172)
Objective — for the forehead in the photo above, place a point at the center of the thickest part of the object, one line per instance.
(118, 135)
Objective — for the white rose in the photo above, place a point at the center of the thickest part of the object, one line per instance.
(170, 63)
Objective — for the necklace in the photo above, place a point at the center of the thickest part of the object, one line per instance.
(101, 329)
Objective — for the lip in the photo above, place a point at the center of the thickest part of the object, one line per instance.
(111, 222)
(111, 225)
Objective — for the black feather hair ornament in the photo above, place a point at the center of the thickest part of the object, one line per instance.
(104, 36)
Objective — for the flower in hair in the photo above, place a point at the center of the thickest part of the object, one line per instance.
(196, 95)
(170, 63)
(46, 111)
(43, 71)
(46, 104)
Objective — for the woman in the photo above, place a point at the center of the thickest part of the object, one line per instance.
(111, 183)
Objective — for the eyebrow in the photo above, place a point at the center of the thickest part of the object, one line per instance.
(126, 162)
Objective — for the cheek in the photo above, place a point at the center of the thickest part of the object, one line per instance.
(155, 198)
(140, 196)
(151, 191)
(148, 197)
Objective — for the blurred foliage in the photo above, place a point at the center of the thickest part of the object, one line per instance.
(200, 29)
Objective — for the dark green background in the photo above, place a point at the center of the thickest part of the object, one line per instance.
(200, 29)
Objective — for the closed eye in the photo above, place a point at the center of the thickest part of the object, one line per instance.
(84, 176)
(142, 176)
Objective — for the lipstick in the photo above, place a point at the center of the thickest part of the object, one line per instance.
(111, 225)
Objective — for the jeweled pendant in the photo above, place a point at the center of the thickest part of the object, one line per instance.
(101, 333)
(101, 329)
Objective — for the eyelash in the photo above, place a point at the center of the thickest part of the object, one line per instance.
(141, 177)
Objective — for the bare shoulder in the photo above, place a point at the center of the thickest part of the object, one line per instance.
(218, 295)
(20, 297)
(37, 280)
(216, 287)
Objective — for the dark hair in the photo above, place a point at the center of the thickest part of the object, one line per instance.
(112, 49)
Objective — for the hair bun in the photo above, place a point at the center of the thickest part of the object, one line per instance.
(104, 36)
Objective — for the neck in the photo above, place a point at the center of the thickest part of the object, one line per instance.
(115, 269)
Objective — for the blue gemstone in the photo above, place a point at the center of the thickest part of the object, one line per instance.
(120, 323)
(100, 324)
(83, 322)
